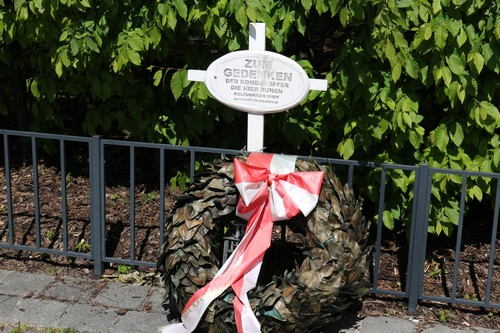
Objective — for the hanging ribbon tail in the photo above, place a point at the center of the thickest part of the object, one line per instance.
(174, 328)
(270, 191)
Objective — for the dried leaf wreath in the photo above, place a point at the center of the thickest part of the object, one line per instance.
(307, 280)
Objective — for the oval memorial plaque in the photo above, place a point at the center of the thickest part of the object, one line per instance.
(257, 82)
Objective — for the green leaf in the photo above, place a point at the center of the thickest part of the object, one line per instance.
(171, 19)
(63, 36)
(241, 16)
(407, 119)
(436, 6)
(399, 39)
(307, 4)
(486, 166)
(34, 89)
(460, 93)
(415, 139)
(162, 9)
(58, 68)
(447, 228)
(456, 64)
(411, 67)
(440, 36)
(441, 138)
(157, 77)
(476, 192)
(220, 28)
(388, 219)
(134, 57)
(428, 32)
(91, 44)
(462, 37)
(478, 60)
(347, 148)
(155, 36)
(490, 110)
(85, 3)
(423, 12)
(18, 4)
(446, 75)
(453, 26)
(404, 3)
(74, 46)
(233, 44)
(390, 53)
(396, 72)
(344, 16)
(181, 8)
(135, 43)
(439, 228)
(496, 157)
(488, 55)
(456, 134)
(176, 85)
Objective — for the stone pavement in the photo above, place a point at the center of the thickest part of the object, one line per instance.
(42, 301)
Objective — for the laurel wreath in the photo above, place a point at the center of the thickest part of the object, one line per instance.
(308, 278)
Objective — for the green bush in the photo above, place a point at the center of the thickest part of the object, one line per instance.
(410, 81)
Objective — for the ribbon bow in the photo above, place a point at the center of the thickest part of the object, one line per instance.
(269, 191)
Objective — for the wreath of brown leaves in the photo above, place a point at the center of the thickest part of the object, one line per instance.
(307, 280)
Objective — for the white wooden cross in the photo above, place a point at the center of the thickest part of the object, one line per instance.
(260, 73)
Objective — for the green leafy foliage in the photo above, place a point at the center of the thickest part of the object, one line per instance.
(409, 81)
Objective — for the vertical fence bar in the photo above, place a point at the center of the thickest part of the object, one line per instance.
(350, 175)
(162, 194)
(8, 184)
(192, 160)
(494, 231)
(102, 206)
(132, 203)
(415, 276)
(458, 249)
(413, 227)
(381, 202)
(36, 191)
(64, 198)
(96, 223)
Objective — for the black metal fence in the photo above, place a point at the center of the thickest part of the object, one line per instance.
(102, 161)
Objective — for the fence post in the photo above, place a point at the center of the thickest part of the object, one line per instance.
(418, 236)
(96, 225)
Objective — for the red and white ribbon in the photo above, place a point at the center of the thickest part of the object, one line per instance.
(270, 191)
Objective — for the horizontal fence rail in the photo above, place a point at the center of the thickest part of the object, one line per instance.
(117, 162)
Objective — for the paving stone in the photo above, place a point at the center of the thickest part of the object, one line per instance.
(4, 275)
(138, 322)
(386, 325)
(122, 295)
(24, 284)
(36, 312)
(7, 303)
(62, 290)
(156, 299)
(88, 318)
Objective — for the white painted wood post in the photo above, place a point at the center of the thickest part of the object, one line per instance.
(255, 127)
